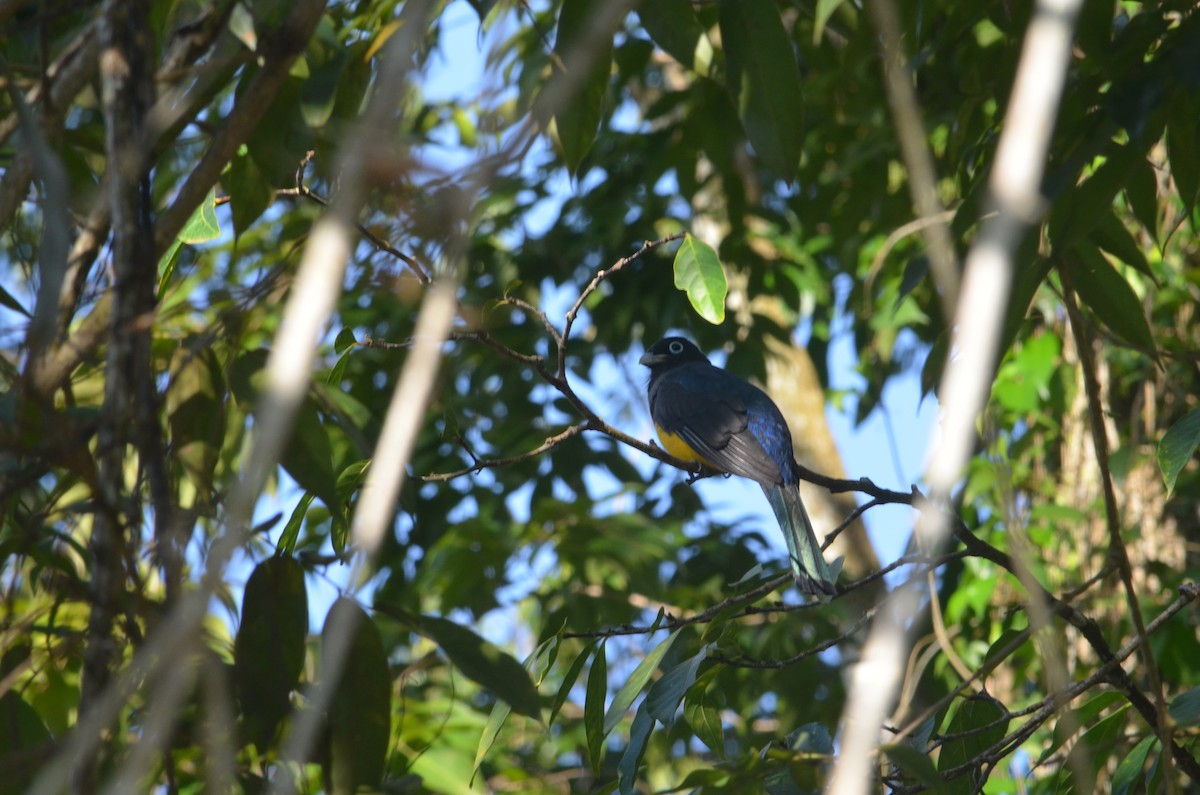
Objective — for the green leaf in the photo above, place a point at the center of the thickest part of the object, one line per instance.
(634, 684)
(268, 652)
(309, 457)
(1130, 770)
(1081, 209)
(1183, 145)
(286, 544)
(1109, 296)
(916, 765)
(20, 728)
(196, 416)
(202, 226)
(976, 725)
(639, 733)
(699, 273)
(1141, 191)
(250, 194)
(1185, 708)
(484, 664)
(320, 90)
(673, 26)
(764, 82)
(703, 716)
(1112, 236)
(825, 9)
(568, 682)
(499, 714)
(1177, 447)
(360, 711)
(586, 67)
(593, 708)
(665, 695)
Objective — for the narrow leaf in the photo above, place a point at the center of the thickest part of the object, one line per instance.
(665, 695)
(639, 733)
(593, 708)
(825, 9)
(1109, 296)
(569, 679)
(286, 544)
(485, 664)
(699, 273)
(634, 684)
(1177, 447)
(1130, 770)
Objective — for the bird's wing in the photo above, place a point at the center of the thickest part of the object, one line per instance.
(708, 409)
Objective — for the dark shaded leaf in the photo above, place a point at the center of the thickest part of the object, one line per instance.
(593, 708)
(917, 766)
(196, 415)
(268, 652)
(1109, 296)
(1185, 708)
(673, 26)
(764, 82)
(360, 711)
(665, 695)
(639, 733)
(486, 665)
(586, 65)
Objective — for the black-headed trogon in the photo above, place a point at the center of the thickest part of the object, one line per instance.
(705, 414)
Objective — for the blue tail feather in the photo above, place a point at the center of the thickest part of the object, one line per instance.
(808, 564)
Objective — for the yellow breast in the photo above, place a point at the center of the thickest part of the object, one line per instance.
(677, 447)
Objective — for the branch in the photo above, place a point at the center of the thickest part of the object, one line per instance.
(488, 463)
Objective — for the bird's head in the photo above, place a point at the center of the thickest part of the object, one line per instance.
(671, 352)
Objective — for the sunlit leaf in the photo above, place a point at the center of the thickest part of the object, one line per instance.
(699, 273)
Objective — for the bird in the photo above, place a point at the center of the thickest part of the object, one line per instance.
(707, 415)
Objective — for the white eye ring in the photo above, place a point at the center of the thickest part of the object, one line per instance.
(675, 347)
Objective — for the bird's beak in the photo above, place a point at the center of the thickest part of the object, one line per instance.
(649, 359)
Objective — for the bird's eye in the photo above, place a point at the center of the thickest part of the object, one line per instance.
(675, 347)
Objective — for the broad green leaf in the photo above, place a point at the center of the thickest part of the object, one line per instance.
(704, 717)
(1185, 708)
(268, 652)
(360, 711)
(195, 408)
(485, 664)
(568, 682)
(250, 194)
(975, 726)
(309, 457)
(639, 733)
(812, 738)
(319, 94)
(634, 684)
(578, 62)
(1082, 716)
(1141, 192)
(593, 708)
(1129, 772)
(21, 730)
(1177, 447)
(699, 273)
(764, 81)
(665, 695)
(673, 26)
(1109, 296)
(918, 766)
(202, 226)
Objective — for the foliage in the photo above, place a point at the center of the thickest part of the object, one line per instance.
(168, 165)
